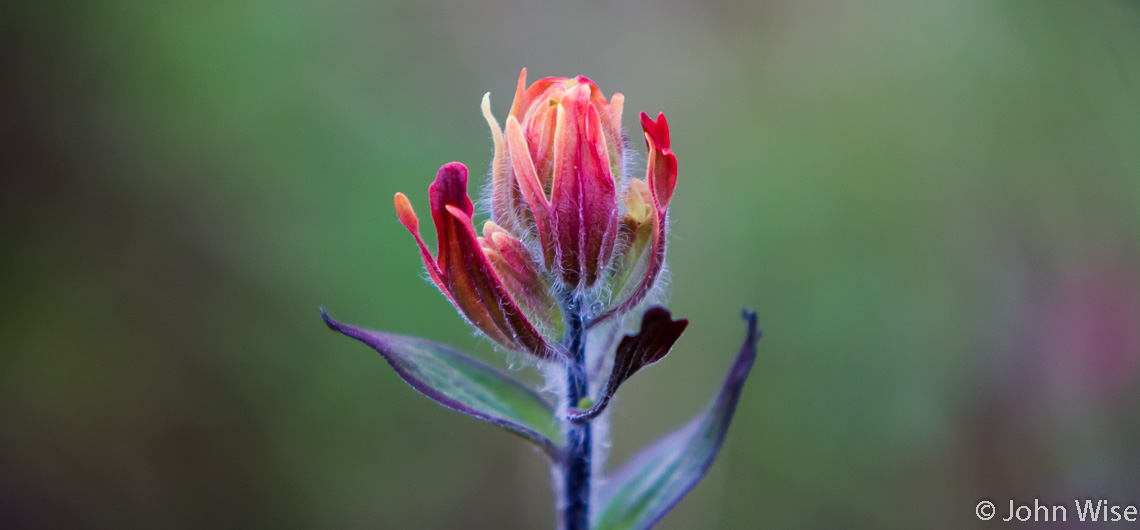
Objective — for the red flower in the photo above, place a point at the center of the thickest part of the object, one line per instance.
(557, 229)
(563, 142)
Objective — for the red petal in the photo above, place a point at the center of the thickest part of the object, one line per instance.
(518, 272)
(530, 187)
(610, 112)
(540, 140)
(474, 287)
(662, 166)
(661, 174)
(658, 130)
(525, 96)
(583, 195)
(600, 208)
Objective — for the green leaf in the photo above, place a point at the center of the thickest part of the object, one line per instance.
(463, 384)
(655, 480)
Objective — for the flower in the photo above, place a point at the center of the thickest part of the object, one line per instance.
(565, 223)
(564, 146)
(464, 272)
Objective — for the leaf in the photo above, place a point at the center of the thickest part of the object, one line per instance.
(654, 480)
(463, 384)
(658, 333)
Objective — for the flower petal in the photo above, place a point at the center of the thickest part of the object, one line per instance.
(525, 96)
(655, 480)
(519, 273)
(661, 176)
(464, 272)
(658, 333)
(600, 213)
(531, 188)
(662, 166)
(408, 218)
(614, 140)
(611, 120)
(540, 124)
(464, 384)
(583, 196)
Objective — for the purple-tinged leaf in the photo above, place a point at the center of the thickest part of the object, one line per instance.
(658, 333)
(464, 384)
(654, 480)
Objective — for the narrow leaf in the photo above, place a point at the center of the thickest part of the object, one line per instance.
(658, 333)
(653, 481)
(464, 384)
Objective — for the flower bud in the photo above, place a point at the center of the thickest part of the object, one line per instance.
(563, 141)
(561, 210)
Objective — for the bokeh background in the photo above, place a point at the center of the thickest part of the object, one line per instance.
(935, 207)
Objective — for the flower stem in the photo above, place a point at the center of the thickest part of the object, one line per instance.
(576, 460)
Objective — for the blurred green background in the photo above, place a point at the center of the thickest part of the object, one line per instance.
(933, 205)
